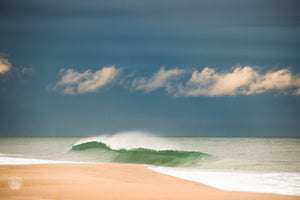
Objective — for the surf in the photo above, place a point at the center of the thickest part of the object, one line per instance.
(134, 147)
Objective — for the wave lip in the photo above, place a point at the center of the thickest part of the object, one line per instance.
(90, 145)
(131, 140)
(171, 158)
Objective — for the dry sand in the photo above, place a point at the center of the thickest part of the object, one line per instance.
(109, 181)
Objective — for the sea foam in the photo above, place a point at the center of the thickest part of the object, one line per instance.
(277, 183)
(22, 161)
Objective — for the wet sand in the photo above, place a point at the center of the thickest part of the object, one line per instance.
(110, 181)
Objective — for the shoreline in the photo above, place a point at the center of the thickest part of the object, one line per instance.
(110, 181)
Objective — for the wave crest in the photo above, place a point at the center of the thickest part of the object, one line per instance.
(138, 153)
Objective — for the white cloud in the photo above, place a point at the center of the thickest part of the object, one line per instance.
(70, 76)
(69, 90)
(278, 80)
(241, 80)
(5, 65)
(73, 82)
(160, 79)
(98, 80)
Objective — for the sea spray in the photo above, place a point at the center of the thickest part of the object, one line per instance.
(132, 139)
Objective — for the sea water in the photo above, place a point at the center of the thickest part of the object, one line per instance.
(269, 165)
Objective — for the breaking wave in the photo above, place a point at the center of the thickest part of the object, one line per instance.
(139, 148)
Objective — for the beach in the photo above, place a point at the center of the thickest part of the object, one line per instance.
(136, 100)
(110, 181)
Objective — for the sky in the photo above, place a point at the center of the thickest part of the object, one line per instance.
(174, 68)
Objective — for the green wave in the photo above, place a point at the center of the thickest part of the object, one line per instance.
(146, 156)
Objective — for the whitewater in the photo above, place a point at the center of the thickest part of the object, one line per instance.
(268, 165)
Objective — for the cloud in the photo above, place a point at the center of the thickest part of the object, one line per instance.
(160, 79)
(241, 80)
(297, 84)
(73, 82)
(27, 70)
(5, 65)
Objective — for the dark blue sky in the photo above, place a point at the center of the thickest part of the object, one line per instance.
(59, 54)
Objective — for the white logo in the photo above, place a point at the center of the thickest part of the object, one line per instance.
(15, 182)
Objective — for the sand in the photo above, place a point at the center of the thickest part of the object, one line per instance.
(110, 181)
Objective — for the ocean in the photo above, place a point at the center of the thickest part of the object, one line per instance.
(268, 165)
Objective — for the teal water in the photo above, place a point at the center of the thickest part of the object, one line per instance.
(174, 158)
(269, 164)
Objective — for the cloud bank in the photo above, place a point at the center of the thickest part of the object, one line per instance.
(5, 66)
(246, 80)
(208, 82)
(73, 82)
(241, 80)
